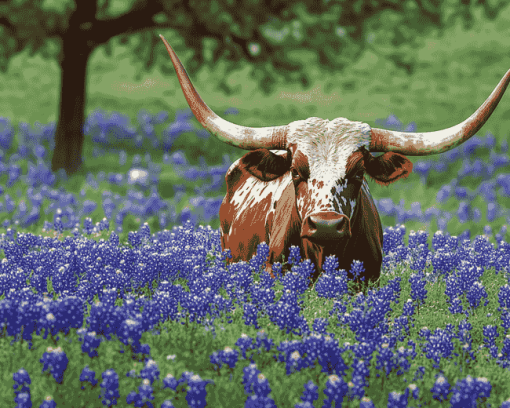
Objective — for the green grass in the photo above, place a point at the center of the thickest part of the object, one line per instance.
(456, 73)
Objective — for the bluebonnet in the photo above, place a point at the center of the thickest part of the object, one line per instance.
(296, 280)
(408, 308)
(109, 388)
(263, 340)
(294, 362)
(393, 237)
(332, 283)
(106, 319)
(266, 280)
(468, 392)
(456, 306)
(367, 319)
(170, 382)
(336, 389)
(365, 350)
(310, 394)
(439, 345)
(415, 391)
(261, 386)
(418, 292)
(90, 344)
(48, 402)
(244, 343)
(419, 258)
(441, 389)
(255, 401)
(259, 260)
(195, 397)
(150, 371)
(444, 260)
(398, 400)
(250, 373)
(356, 271)
(227, 356)
(285, 312)
(404, 356)
(386, 360)
(262, 296)
(504, 298)
(359, 381)
(294, 255)
(490, 333)
(366, 403)
(467, 275)
(22, 386)
(23, 400)
(144, 396)
(439, 239)
(453, 289)
(55, 360)
(277, 270)
(504, 356)
(320, 325)
(475, 294)
(87, 375)
(130, 332)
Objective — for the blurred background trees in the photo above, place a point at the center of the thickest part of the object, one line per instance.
(277, 39)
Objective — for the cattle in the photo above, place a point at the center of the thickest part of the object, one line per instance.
(304, 183)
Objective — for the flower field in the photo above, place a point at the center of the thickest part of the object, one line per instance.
(113, 294)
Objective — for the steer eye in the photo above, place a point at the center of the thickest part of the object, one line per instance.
(295, 174)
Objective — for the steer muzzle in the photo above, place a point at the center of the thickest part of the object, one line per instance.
(326, 226)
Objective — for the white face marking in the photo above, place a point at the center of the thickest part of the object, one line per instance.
(280, 188)
(327, 146)
(253, 192)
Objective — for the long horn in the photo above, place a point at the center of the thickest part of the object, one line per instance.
(248, 138)
(422, 144)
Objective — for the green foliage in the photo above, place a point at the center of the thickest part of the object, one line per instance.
(453, 78)
(269, 35)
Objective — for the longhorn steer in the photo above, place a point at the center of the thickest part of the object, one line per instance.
(313, 194)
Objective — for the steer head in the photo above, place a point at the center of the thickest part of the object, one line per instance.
(327, 161)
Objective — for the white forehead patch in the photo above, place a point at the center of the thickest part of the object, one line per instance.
(328, 144)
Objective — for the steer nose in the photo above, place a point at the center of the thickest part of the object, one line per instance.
(326, 226)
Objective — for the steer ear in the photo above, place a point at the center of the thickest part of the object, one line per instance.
(388, 167)
(265, 165)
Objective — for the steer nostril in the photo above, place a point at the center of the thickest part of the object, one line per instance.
(327, 225)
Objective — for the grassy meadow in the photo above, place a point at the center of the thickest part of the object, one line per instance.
(455, 75)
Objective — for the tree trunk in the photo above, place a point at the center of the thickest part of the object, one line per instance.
(69, 132)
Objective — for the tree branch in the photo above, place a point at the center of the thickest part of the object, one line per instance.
(139, 18)
(7, 24)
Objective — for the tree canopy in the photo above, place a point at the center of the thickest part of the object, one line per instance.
(266, 33)
(270, 35)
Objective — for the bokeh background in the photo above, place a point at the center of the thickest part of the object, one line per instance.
(94, 123)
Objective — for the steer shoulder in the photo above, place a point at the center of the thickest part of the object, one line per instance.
(247, 213)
